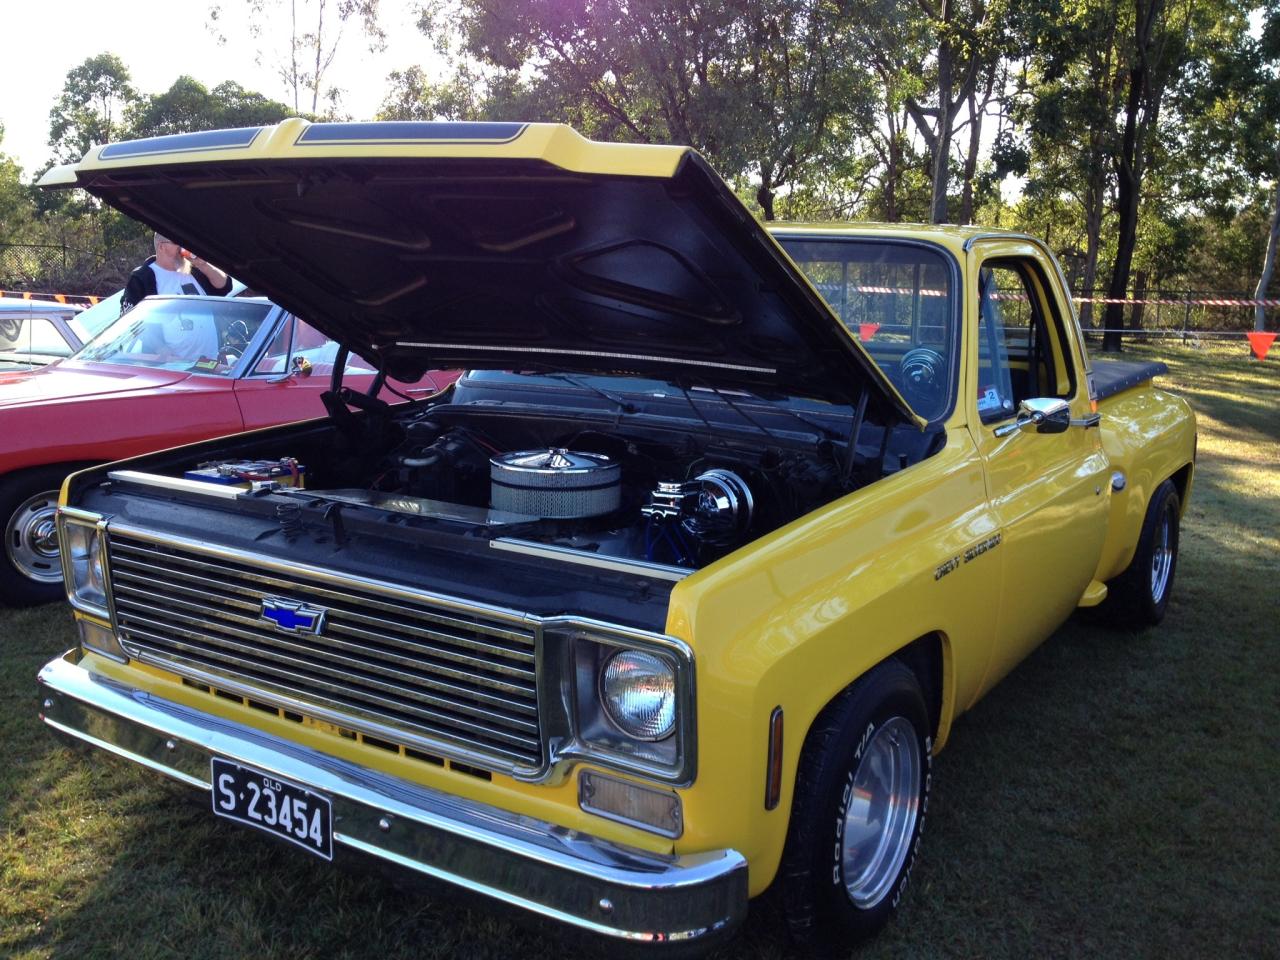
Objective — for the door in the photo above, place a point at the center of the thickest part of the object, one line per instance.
(1049, 491)
(285, 383)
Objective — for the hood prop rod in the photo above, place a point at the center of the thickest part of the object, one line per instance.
(855, 428)
(339, 368)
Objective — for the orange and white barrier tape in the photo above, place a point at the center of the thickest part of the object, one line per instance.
(69, 298)
(1161, 301)
(1192, 301)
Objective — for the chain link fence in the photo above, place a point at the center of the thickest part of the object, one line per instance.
(60, 268)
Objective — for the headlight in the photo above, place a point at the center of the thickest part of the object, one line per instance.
(638, 691)
(632, 705)
(79, 539)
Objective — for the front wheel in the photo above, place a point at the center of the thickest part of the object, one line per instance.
(862, 791)
(30, 568)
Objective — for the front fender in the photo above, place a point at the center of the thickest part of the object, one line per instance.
(798, 615)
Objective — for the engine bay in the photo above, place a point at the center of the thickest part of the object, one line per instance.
(668, 480)
(660, 493)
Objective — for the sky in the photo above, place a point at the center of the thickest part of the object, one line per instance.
(159, 42)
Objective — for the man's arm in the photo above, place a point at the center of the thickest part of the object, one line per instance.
(210, 278)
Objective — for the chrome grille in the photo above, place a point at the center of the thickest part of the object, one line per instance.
(385, 662)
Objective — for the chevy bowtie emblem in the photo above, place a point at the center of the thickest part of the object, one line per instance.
(292, 616)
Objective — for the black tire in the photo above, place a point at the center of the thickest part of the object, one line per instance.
(1139, 597)
(30, 571)
(878, 725)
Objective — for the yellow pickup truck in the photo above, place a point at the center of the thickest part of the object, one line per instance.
(671, 597)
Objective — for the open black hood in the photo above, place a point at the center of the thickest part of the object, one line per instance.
(516, 246)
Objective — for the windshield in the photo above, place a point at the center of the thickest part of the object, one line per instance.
(196, 334)
(92, 321)
(30, 339)
(897, 300)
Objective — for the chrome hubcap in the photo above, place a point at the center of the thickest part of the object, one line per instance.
(881, 814)
(1162, 558)
(31, 538)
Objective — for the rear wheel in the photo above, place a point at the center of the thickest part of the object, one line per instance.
(1140, 595)
(30, 569)
(862, 791)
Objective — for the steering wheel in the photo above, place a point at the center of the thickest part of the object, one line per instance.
(924, 379)
(9, 327)
(234, 339)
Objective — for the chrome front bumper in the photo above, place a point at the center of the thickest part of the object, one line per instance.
(572, 877)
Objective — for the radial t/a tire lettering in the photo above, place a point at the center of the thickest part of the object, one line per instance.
(862, 792)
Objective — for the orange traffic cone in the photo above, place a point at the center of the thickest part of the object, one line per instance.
(1260, 343)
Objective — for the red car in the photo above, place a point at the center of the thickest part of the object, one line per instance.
(173, 370)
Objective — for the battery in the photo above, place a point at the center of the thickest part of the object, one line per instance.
(244, 473)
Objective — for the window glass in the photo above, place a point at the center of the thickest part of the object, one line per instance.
(275, 359)
(1020, 346)
(93, 320)
(200, 335)
(297, 346)
(33, 336)
(898, 300)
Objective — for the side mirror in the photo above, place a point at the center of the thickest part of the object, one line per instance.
(300, 367)
(1045, 414)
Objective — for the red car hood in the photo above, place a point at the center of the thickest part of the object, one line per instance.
(76, 380)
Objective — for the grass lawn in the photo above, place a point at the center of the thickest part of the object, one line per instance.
(1114, 797)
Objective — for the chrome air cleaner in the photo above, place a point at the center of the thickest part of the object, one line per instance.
(555, 484)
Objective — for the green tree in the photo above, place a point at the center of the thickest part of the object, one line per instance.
(760, 87)
(316, 30)
(1234, 102)
(91, 109)
(967, 41)
(1067, 104)
(187, 106)
(17, 208)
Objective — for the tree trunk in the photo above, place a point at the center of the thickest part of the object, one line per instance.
(1269, 262)
(1139, 294)
(893, 172)
(1129, 171)
(293, 52)
(971, 159)
(1095, 201)
(942, 141)
(1128, 188)
(940, 171)
(764, 197)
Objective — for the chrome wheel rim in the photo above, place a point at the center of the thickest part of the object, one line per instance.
(1162, 557)
(31, 538)
(880, 817)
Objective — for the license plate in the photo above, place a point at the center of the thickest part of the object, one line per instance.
(275, 806)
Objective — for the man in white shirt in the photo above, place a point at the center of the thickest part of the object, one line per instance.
(189, 335)
(169, 271)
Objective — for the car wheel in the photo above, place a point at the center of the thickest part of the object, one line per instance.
(1140, 596)
(862, 790)
(30, 569)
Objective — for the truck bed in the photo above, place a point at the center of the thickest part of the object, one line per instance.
(1115, 376)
